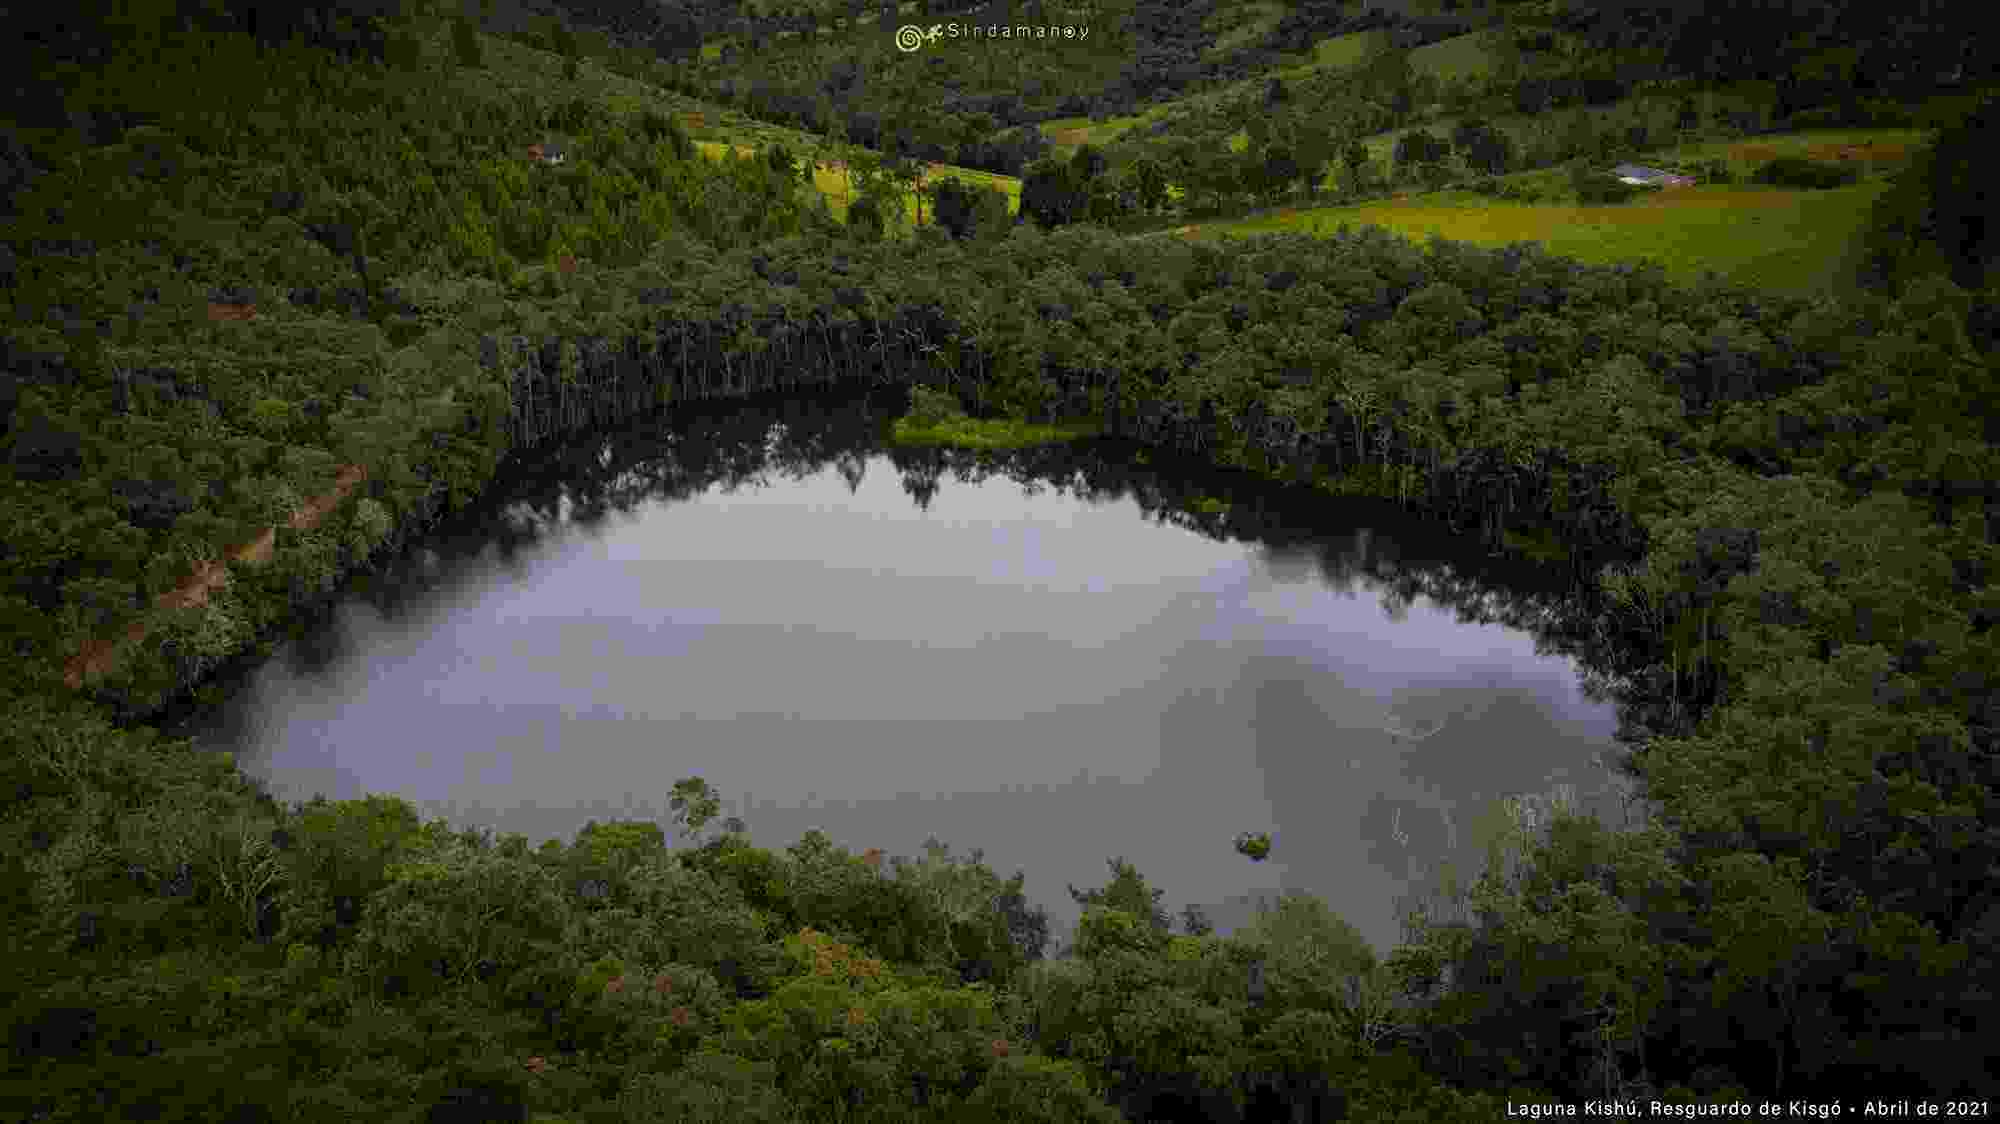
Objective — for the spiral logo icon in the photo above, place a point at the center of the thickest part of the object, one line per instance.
(909, 37)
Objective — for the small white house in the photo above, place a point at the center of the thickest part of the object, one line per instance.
(1639, 174)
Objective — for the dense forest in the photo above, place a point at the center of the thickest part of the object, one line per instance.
(283, 291)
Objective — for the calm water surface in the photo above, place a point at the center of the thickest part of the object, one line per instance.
(1033, 663)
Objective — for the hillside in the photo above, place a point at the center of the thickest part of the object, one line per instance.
(284, 286)
(1771, 238)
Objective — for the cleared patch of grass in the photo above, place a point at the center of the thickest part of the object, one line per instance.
(1381, 146)
(715, 150)
(1339, 52)
(1067, 134)
(1879, 151)
(831, 181)
(1240, 26)
(987, 433)
(1351, 49)
(1462, 56)
(1778, 241)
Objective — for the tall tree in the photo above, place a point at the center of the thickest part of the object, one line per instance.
(1280, 170)
(1129, 891)
(1965, 212)
(1051, 194)
(1088, 162)
(1148, 181)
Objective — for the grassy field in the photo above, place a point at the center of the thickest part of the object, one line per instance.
(1462, 56)
(1380, 146)
(1341, 52)
(1879, 151)
(831, 181)
(1771, 239)
(1780, 240)
(1239, 26)
(1067, 134)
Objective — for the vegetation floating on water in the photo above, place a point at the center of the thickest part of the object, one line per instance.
(1254, 845)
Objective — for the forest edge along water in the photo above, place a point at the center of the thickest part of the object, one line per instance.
(645, 493)
(99, 657)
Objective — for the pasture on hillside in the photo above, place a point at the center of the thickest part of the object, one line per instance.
(522, 73)
(1339, 52)
(1241, 26)
(1067, 134)
(1472, 55)
(831, 181)
(1879, 151)
(1772, 239)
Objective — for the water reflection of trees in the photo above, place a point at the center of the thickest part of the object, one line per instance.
(1301, 534)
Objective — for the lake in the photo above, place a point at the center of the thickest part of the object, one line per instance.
(1033, 654)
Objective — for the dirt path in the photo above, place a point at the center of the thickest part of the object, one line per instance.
(99, 656)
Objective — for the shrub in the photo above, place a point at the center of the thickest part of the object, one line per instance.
(369, 525)
(1819, 117)
(657, 126)
(955, 207)
(1798, 172)
(1879, 114)
(865, 221)
(1714, 171)
(929, 406)
(579, 115)
(992, 218)
(1593, 187)
(654, 125)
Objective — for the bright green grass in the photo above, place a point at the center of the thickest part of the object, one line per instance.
(1381, 146)
(832, 183)
(987, 433)
(1241, 26)
(1339, 52)
(1778, 241)
(1067, 134)
(1350, 49)
(1461, 56)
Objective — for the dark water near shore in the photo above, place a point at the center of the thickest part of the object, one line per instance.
(1025, 658)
